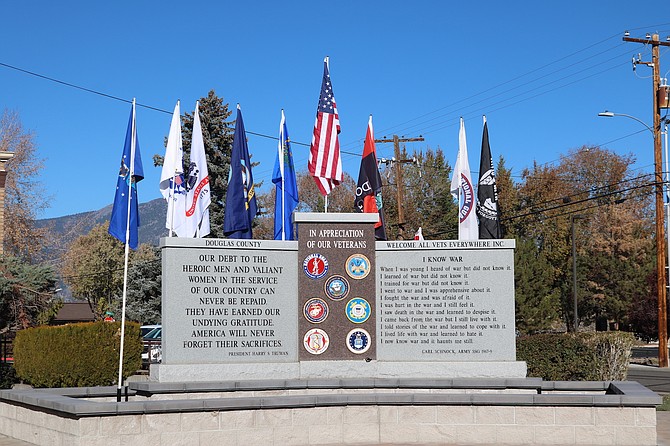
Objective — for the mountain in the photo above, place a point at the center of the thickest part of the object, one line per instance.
(61, 231)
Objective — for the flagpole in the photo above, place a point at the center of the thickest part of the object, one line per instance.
(282, 143)
(127, 251)
(173, 203)
(283, 206)
(172, 200)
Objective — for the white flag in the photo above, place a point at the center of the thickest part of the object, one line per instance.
(172, 178)
(418, 235)
(463, 190)
(198, 196)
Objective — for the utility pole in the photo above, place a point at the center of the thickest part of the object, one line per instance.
(400, 195)
(658, 173)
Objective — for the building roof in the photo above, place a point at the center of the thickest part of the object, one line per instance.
(74, 312)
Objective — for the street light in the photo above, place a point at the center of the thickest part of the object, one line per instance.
(661, 250)
(609, 114)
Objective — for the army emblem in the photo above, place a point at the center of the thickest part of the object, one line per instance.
(358, 266)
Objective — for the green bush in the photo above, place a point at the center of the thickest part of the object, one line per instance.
(7, 376)
(76, 355)
(598, 356)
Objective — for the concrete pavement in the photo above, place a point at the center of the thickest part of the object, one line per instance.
(652, 377)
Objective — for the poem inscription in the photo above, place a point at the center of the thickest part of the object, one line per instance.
(444, 300)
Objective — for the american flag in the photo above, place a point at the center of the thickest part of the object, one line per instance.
(324, 157)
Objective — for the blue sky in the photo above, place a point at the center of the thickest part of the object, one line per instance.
(540, 71)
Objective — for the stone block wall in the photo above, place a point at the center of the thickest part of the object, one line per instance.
(349, 425)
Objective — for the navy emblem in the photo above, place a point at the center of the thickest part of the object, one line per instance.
(358, 266)
(315, 266)
(358, 341)
(337, 287)
(316, 341)
(315, 310)
(358, 310)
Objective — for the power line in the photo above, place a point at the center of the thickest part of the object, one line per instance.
(581, 209)
(460, 112)
(504, 83)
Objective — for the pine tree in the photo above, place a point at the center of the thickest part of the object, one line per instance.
(428, 202)
(536, 301)
(143, 301)
(26, 294)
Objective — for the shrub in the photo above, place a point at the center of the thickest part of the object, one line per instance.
(595, 356)
(7, 376)
(76, 355)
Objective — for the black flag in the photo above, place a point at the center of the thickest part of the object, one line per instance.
(487, 193)
(369, 188)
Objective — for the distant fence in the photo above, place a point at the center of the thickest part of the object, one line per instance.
(7, 347)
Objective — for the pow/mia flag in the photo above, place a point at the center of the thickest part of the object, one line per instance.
(487, 193)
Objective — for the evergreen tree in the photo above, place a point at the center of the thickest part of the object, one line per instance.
(26, 294)
(428, 202)
(508, 199)
(143, 299)
(537, 303)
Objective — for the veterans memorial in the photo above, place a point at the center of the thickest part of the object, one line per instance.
(337, 304)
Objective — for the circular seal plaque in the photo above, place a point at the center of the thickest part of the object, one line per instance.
(358, 266)
(315, 266)
(316, 341)
(358, 310)
(337, 287)
(315, 310)
(358, 341)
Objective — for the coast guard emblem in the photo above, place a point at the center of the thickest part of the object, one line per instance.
(315, 310)
(358, 266)
(316, 341)
(358, 341)
(358, 310)
(315, 266)
(337, 287)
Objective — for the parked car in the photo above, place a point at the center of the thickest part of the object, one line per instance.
(144, 329)
(151, 351)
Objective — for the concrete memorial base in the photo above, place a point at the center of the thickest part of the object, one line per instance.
(165, 373)
(336, 411)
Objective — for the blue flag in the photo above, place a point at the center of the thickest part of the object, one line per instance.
(286, 186)
(241, 198)
(130, 174)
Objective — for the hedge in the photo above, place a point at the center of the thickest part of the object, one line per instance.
(595, 356)
(7, 376)
(76, 355)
